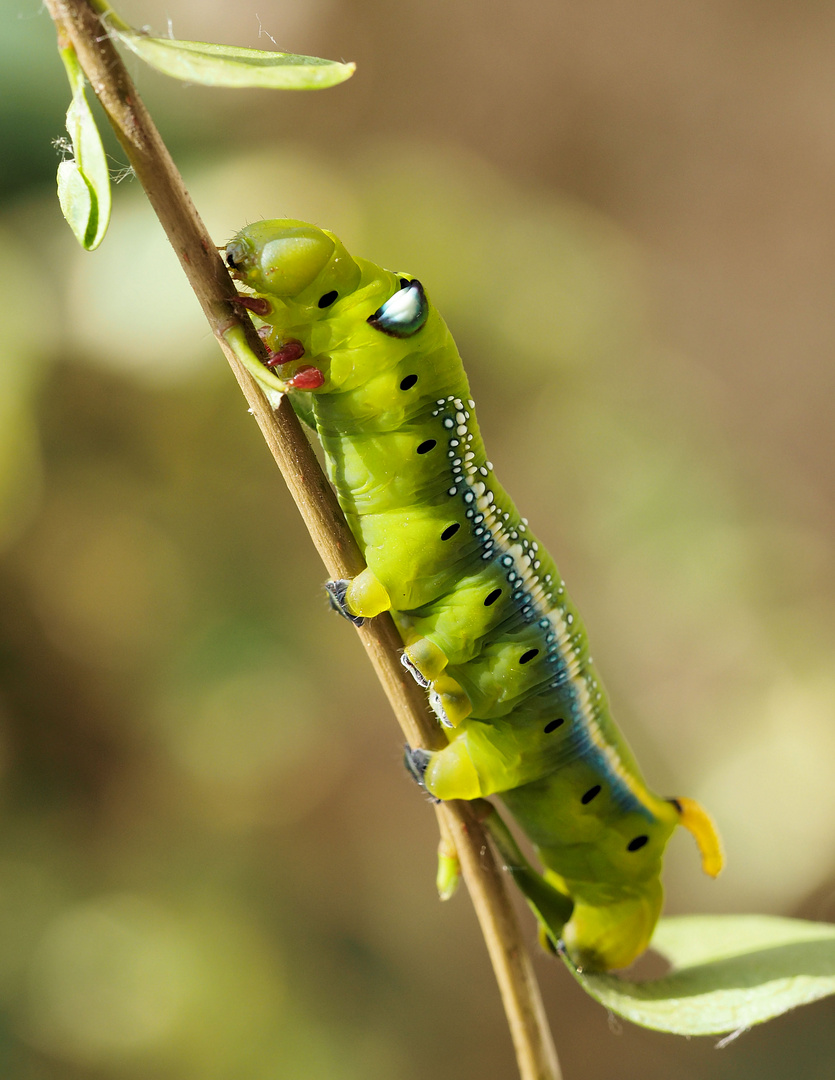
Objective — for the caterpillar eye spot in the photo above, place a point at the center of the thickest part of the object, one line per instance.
(526, 657)
(404, 313)
(492, 597)
(328, 299)
(553, 725)
(450, 531)
(637, 843)
(592, 793)
(408, 382)
(426, 446)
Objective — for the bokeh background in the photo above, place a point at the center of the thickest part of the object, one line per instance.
(212, 864)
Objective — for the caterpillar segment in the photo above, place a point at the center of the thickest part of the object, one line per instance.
(485, 620)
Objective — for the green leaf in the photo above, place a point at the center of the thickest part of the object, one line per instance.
(230, 65)
(84, 180)
(75, 199)
(728, 973)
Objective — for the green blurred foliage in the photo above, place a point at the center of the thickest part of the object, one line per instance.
(211, 861)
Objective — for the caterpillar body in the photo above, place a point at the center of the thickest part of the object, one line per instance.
(485, 620)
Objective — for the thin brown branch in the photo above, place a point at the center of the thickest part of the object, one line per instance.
(79, 23)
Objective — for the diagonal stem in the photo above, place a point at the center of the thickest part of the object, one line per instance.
(79, 22)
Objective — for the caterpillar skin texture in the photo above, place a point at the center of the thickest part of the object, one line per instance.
(481, 607)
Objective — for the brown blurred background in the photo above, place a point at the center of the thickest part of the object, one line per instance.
(212, 864)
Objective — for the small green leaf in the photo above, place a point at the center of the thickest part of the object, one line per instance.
(84, 180)
(230, 65)
(729, 972)
(76, 200)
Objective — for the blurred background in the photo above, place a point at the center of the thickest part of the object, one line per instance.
(212, 864)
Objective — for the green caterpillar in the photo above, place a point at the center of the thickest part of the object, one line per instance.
(481, 608)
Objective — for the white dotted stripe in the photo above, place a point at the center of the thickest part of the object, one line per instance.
(532, 594)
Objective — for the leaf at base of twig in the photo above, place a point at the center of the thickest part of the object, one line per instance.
(729, 973)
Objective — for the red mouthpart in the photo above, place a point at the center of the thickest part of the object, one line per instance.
(256, 304)
(306, 378)
(290, 350)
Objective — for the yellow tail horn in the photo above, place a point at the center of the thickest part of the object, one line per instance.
(697, 821)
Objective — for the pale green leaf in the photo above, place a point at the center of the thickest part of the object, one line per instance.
(75, 199)
(728, 973)
(230, 65)
(83, 181)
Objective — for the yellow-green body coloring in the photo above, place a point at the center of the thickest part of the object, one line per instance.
(481, 608)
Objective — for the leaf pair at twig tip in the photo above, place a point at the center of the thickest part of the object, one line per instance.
(83, 180)
(211, 64)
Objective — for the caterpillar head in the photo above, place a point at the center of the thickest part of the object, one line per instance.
(294, 262)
